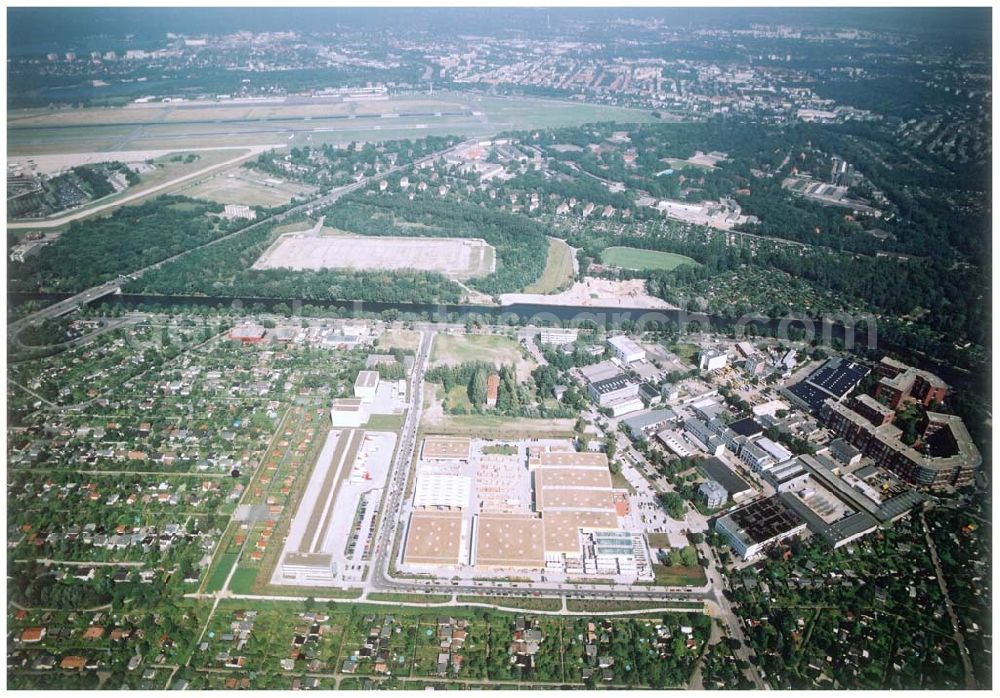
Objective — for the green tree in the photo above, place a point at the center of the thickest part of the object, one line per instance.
(477, 387)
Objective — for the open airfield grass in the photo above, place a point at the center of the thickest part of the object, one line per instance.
(249, 188)
(644, 260)
(519, 110)
(118, 128)
(558, 271)
(529, 112)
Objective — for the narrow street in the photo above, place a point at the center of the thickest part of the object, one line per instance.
(970, 677)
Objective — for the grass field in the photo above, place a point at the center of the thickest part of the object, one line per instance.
(620, 482)
(385, 422)
(658, 540)
(220, 572)
(456, 349)
(686, 352)
(678, 576)
(558, 273)
(457, 397)
(408, 598)
(528, 604)
(250, 189)
(243, 580)
(487, 426)
(296, 227)
(643, 260)
(597, 605)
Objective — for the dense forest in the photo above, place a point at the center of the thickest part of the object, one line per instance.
(930, 267)
(224, 270)
(98, 249)
(935, 203)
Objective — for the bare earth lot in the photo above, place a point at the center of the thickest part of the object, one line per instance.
(595, 293)
(460, 258)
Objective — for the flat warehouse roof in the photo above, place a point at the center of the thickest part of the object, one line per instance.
(366, 379)
(573, 499)
(433, 538)
(323, 560)
(435, 490)
(717, 470)
(562, 528)
(447, 448)
(347, 404)
(809, 394)
(538, 458)
(764, 519)
(555, 476)
(746, 427)
(509, 540)
(625, 345)
(600, 371)
(612, 384)
(837, 376)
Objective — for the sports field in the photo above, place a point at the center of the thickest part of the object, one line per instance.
(248, 188)
(460, 258)
(643, 260)
(558, 271)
